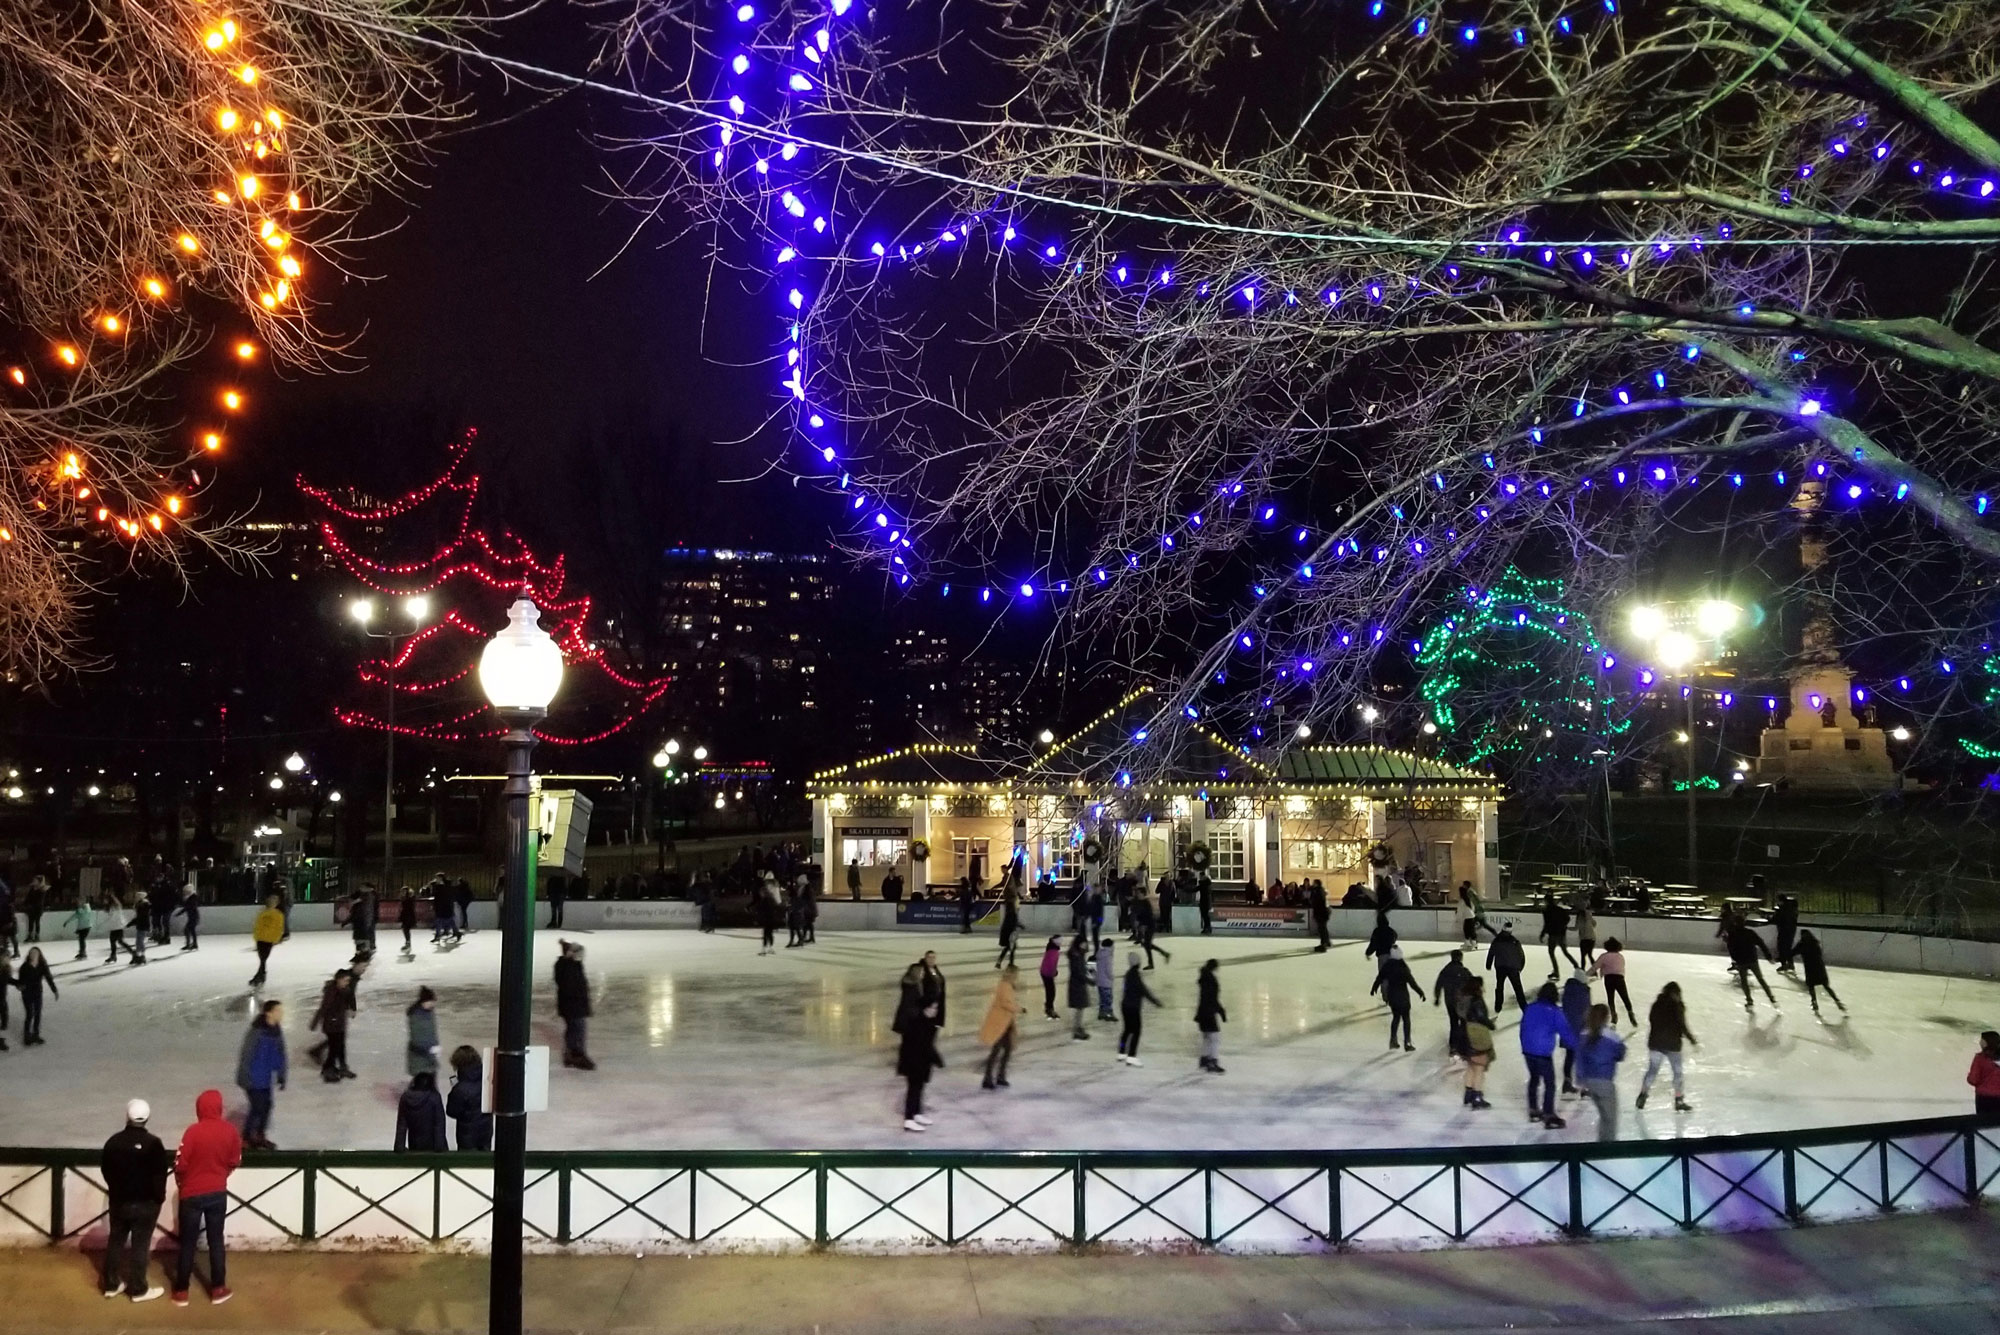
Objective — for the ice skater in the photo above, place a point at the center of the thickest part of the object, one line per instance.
(1105, 964)
(1555, 931)
(442, 908)
(6, 985)
(917, 1056)
(1586, 934)
(1786, 919)
(114, 918)
(1322, 914)
(1380, 941)
(1078, 986)
(473, 1128)
(1209, 1017)
(407, 905)
(1505, 958)
(1444, 992)
(260, 1071)
(420, 1117)
(1010, 927)
(1610, 966)
(1394, 981)
(1666, 1029)
(1744, 948)
(1576, 1009)
(1147, 922)
(573, 1006)
(997, 1030)
(1132, 1009)
(34, 975)
(83, 919)
(1051, 966)
(190, 911)
(142, 926)
(1476, 1025)
(33, 903)
(266, 933)
(1810, 955)
(421, 1046)
(1471, 914)
(1597, 1059)
(1984, 1077)
(1543, 1025)
(336, 1003)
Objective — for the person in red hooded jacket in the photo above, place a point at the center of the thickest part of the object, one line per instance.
(211, 1150)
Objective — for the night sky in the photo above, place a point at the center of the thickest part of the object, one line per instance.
(491, 305)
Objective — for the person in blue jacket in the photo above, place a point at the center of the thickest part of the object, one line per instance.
(1576, 1009)
(261, 1064)
(1542, 1027)
(1597, 1059)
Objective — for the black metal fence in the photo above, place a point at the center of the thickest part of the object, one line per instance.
(1277, 1201)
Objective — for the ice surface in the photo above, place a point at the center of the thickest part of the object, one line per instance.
(702, 1044)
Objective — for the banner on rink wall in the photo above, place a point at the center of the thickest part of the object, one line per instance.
(645, 913)
(939, 912)
(1244, 917)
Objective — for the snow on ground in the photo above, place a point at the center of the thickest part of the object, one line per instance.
(702, 1044)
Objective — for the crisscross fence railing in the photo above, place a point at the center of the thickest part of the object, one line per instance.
(1276, 1200)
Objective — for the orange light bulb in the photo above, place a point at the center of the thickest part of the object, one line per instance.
(248, 74)
(226, 118)
(69, 355)
(17, 375)
(112, 324)
(290, 266)
(154, 288)
(211, 441)
(292, 200)
(187, 242)
(214, 40)
(173, 505)
(248, 186)
(246, 350)
(156, 522)
(102, 514)
(271, 115)
(232, 400)
(270, 302)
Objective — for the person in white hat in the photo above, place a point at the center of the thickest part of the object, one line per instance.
(135, 1166)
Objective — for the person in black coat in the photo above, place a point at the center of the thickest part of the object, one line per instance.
(1209, 1017)
(1787, 922)
(443, 907)
(1505, 959)
(468, 1079)
(142, 925)
(1814, 959)
(135, 1166)
(1744, 948)
(1204, 902)
(965, 906)
(1555, 931)
(33, 976)
(1380, 941)
(420, 1117)
(1394, 981)
(932, 983)
(407, 916)
(1132, 999)
(1450, 980)
(1322, 913)
(573, 1005)
(1079, 985)
(917, 1021)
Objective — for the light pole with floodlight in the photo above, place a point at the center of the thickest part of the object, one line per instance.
(1682, 654)
(520, 671)
(418, 608)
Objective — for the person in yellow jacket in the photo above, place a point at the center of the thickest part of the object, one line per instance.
(997, 1032)
(267, 931)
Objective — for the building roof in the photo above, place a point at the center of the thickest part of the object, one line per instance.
(1119, 750)
(927, 765)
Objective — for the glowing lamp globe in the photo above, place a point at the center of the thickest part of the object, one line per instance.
(1716, 618)
(1676, 651)
(521, 668)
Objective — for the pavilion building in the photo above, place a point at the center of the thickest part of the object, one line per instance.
(939, 812)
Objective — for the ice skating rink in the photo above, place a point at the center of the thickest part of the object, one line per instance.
(702, 1044)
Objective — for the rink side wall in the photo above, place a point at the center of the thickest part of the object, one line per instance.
(1849, 947)
(914, 1200)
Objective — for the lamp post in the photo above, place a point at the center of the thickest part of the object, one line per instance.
(418, 608)
(1682, 654)
(520, 671)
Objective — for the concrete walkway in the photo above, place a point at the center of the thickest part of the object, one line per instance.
(1938, 1274)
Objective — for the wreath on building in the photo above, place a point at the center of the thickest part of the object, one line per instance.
(919, 851)
(1198, 856)
(1093, 851)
